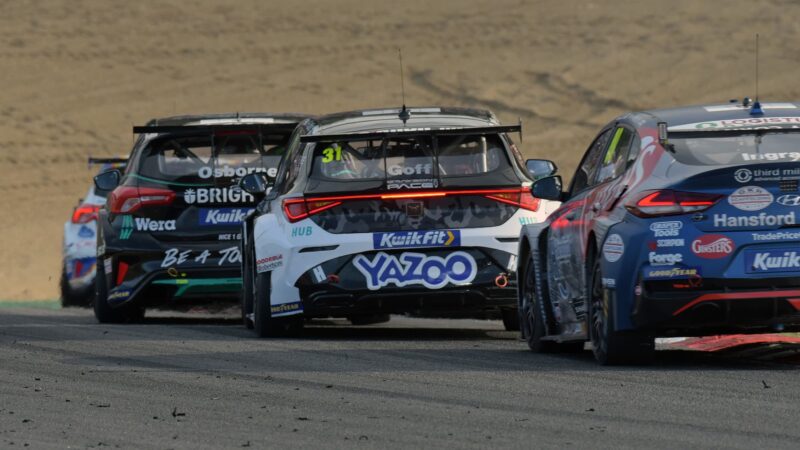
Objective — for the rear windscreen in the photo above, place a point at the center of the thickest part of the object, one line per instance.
(418, 159)
(732, 149)
(211, 159)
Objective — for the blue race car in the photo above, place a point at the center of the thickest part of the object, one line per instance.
(677, 222)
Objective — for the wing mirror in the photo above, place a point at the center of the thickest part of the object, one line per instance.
(108, 181)
(540, 168)
(256, 183)
(548, 188)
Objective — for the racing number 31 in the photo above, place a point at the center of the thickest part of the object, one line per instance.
(332, 153)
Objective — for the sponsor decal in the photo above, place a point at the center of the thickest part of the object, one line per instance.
(751, 123)
(743, 175)
(791, 156)
(130, 223)
(789, 200)
(85, 232)
(777, 236)
(761, 220)
(230, 172)
(120, 294)
(419, 169)
(433, 272)
(101, 249)
(177, 257)
(269, 263)
(671, 228)
(231, 194)
(302, 231)
(609, 283)
(412, 184)
(411, 239)
(319, 274)
(230, 237)
(528, 220)
(665, 259)
(613, 248)
(750, 198)
(223, 216)
(127, 228)
(772, 260)
(661, 243)
(713, 246)
(107, 266)
(654, 273)
(747, 175)
(286, 309)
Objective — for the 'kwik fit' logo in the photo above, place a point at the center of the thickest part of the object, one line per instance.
(127, 228)
(223, 216)
(410, 239)
(773, 260)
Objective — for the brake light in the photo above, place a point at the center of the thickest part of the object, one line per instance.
(522, 198)
(296, 209)
(127, 199)
(85, 213)
(668, 203)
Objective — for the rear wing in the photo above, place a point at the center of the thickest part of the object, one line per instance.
(217, 128)
(411, 132)
(107, 162)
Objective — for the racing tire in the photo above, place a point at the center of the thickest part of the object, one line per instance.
(104, 313)
(531, 311)
(612, 347)
(248, 284)
(70, 297)
(369, 319)
(510, 319)
(264, 324)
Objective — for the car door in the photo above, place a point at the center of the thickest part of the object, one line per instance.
(565, 239)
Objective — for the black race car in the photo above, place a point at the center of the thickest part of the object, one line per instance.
(169, 232)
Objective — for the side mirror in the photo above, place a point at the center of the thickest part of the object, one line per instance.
(255, 183)
(548, 188)
(540, 168)
(108, 181)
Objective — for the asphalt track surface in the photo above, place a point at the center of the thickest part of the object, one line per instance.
(183, 382)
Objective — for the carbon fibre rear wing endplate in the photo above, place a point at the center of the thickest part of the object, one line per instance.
(411, 132)
(215, 128)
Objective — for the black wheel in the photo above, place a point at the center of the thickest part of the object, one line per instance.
(103, 312)
(264, 324)
(248, 284)
(70, 297)
(510, 319)
(369, 319)
(532, 318)
(609, 346)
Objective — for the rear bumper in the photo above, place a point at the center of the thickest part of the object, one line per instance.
(738, 307)
(475, 301)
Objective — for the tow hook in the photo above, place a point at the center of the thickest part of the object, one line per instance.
(501, 280)
(333, 279)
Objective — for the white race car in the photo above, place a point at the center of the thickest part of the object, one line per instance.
(80, 242)
(390, 211)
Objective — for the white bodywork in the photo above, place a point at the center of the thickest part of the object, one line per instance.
(277, 249)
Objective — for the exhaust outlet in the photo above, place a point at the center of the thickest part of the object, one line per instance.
(501, 281)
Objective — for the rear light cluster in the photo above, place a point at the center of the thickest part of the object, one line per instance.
(127, 199)
(670, 203)
(85, 213)
(297, 209)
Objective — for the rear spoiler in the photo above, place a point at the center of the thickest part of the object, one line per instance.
(410, 132)
(216, 128)
(118, 160)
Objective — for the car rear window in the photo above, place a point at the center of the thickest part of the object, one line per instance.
(409, 158)
(209, 159)
(735, 148)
